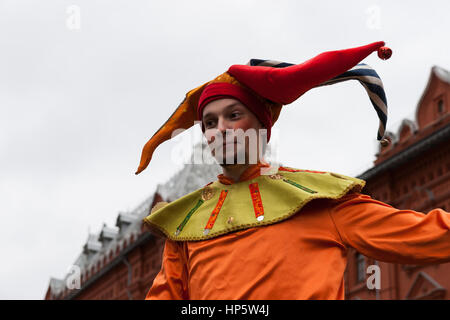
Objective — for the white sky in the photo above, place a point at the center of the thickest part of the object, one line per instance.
(77, 105)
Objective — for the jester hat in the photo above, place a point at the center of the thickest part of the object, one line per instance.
(265, 86)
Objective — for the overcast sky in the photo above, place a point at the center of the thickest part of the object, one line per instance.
(79, 100)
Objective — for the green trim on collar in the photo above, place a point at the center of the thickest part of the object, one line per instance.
(282, 195)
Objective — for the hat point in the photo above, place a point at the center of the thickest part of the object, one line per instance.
(285, 85)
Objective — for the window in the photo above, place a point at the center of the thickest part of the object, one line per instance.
(360, 267)
(440, 106)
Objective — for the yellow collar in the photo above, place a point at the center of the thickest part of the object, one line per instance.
(218, 209)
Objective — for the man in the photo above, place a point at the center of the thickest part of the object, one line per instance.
(278, 233)
(244, 130)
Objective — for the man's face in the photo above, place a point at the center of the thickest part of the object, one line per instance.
(232, 132)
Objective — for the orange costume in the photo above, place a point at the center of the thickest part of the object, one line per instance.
(282, 234)
(302, 257)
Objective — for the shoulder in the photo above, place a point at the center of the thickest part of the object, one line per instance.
(358, 201)
(325, 178)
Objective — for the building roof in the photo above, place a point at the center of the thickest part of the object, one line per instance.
(412, 151)
(435, 73)
(441, 73)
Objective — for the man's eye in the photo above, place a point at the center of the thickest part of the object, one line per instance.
(209, 123)
(235, 114)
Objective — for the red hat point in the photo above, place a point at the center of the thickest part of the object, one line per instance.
(285, 85)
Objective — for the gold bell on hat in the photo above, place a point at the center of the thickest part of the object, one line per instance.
(384, 142)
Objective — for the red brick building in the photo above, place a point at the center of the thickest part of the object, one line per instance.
(412, 172)
(120, 262)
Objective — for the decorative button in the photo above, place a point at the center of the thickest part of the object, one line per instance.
(230, 220)
(276, 176)
(207, 193)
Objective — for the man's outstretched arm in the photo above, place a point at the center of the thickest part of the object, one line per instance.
(379, 231)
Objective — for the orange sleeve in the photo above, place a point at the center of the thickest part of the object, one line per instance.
(171, 281)
(377, 230)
